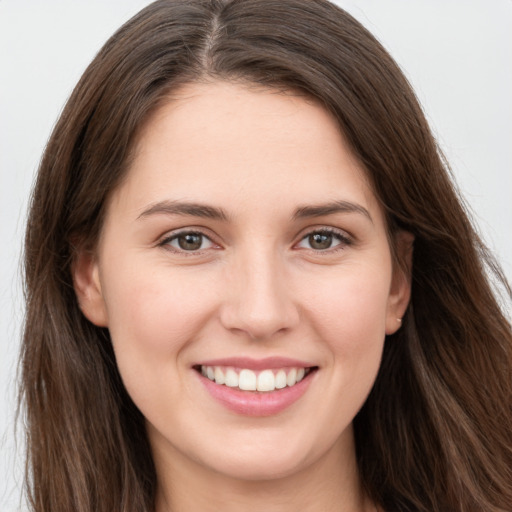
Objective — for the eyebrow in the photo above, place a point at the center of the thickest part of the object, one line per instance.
(185, 208)
(329, 209)
(211, 212)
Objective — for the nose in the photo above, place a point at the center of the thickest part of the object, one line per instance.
(259, 302)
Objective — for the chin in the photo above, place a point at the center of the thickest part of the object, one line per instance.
(266, 458)
(261, 468)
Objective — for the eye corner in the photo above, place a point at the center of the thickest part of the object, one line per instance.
(188, 242)
(324, 240)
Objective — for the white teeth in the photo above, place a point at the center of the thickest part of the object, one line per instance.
(291, 378)
(280, 379)
(248, 380)
(219, 375)
(231, 378)
(266, 381)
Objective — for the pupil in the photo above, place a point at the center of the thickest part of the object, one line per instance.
(320, 240)
(190, 242)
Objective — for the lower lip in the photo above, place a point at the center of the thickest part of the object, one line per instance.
(256, 403)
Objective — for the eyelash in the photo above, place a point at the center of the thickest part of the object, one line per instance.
(165, 243)
(344, 241)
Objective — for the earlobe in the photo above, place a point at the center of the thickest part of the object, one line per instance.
(87, 285)
(400, 291)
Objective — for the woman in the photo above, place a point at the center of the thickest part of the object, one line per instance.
(250, 283)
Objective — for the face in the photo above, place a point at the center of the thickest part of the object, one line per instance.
(245, 276)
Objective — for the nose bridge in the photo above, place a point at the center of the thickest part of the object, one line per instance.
(259, 302)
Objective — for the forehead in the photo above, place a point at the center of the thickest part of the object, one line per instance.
(219, 142)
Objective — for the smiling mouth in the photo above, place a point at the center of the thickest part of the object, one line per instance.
(245, 379)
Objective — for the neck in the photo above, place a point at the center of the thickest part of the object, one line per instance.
(330, 484)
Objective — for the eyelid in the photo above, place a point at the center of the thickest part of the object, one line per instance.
(164, 241)
(345, 238)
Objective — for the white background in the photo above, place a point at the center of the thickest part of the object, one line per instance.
(457, 54)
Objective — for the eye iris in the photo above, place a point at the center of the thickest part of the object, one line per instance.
(320, 240)
(190, 241)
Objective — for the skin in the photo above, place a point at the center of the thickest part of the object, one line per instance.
(256, 288)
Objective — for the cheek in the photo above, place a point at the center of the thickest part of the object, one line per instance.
(349, 315)
(352, 306)
(157, 309)
(152, 317)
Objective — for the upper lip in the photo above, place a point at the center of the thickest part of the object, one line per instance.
(257, 364)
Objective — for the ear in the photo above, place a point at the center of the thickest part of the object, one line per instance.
(400, 291)
(86, 281)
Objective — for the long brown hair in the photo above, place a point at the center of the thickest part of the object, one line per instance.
(435, 433)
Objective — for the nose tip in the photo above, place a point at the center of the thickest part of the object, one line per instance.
(258, 324)
(260, 305)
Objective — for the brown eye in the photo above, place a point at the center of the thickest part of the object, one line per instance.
(189, 242)
(320, 241)
(324, 240)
